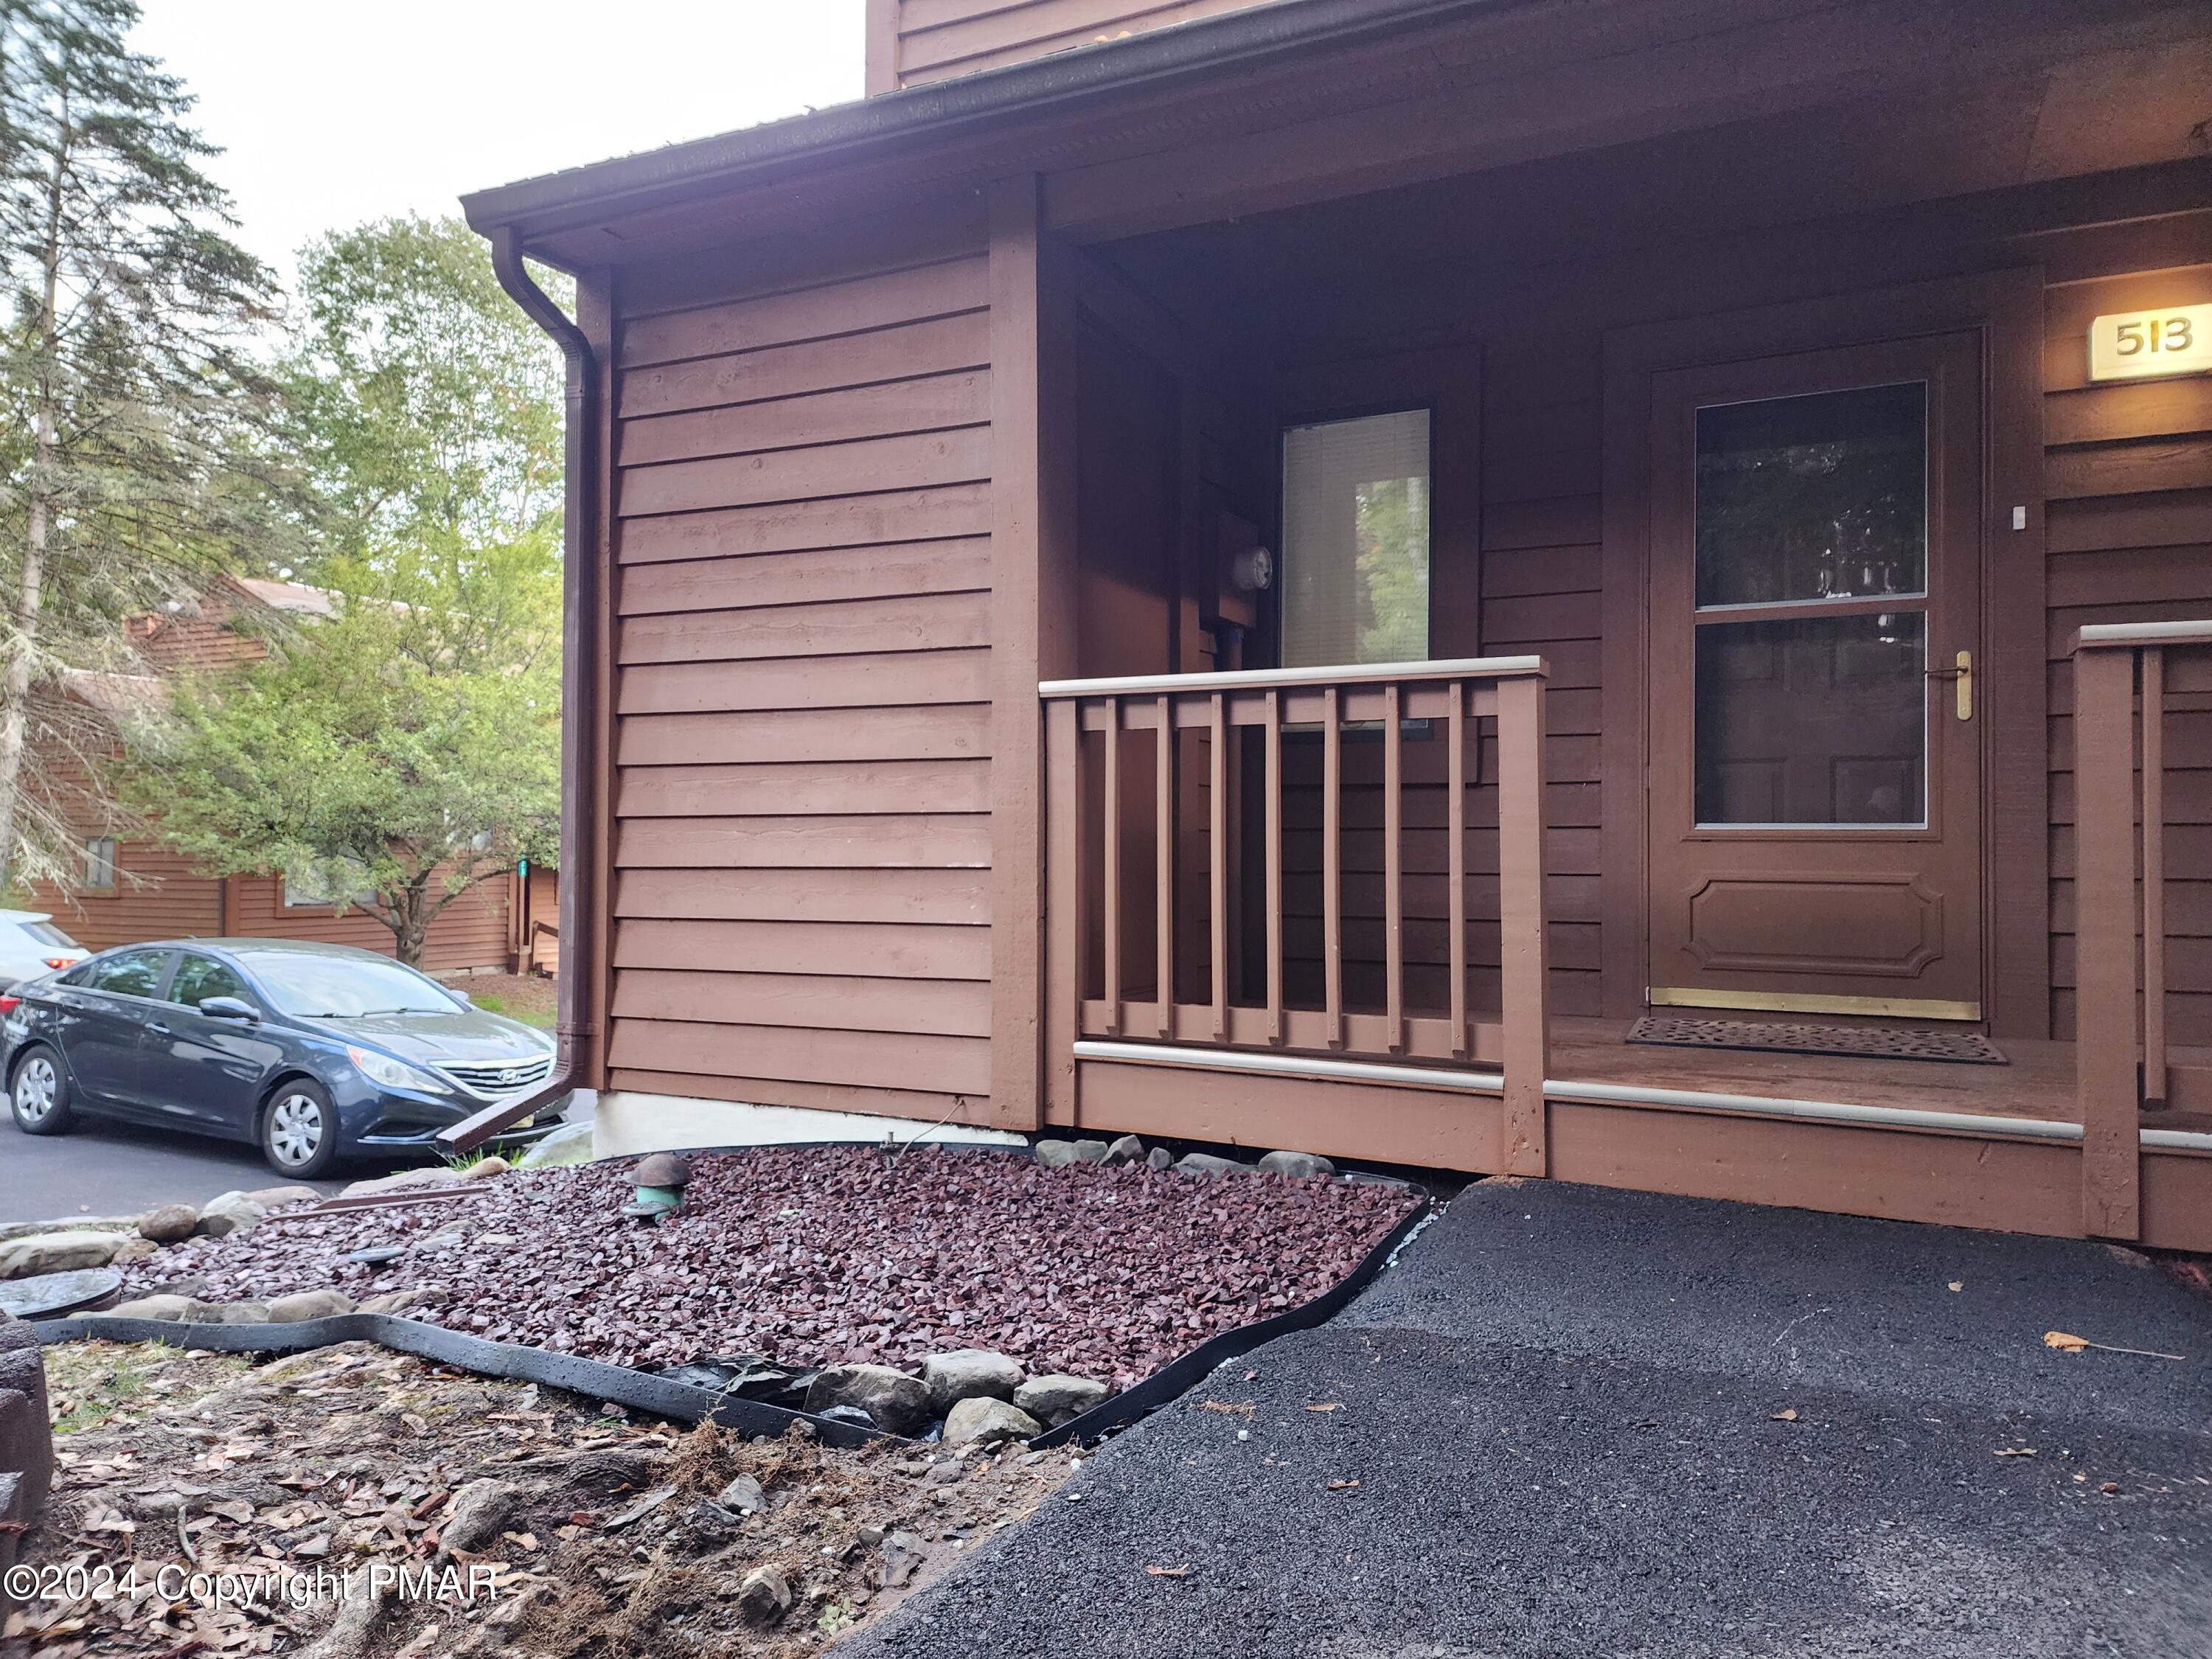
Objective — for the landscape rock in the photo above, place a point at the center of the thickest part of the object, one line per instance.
(303, 1305)
(485, 1167)
(392, 1302)
(404, 1180)
(478, 1514)
(1206, 1164)
(569, 1143)
(168, 1223)
(1053, 1399)
(58, 1253)
(743, 1495)
(1126, 1150)
(173, 1308)
(1295, 1166)
(73, 1223)
(986, 1422)
(232, 1212)
(230, 1313)
(1055, 1154)
(969, 1374)
(853, 1414)
(902, 1552)
(1158, 1158)
(27, 1445)
(134, 1249)
(764, 1596)
(1090, 1151)
(276, 1198)
(26, 1442)
(894, 1401)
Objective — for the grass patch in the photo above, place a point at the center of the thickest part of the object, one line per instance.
(90, 1383)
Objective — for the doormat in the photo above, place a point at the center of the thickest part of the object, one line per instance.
(1872, 1041)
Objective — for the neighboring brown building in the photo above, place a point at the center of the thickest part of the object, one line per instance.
(1676, 448)
(137, 889)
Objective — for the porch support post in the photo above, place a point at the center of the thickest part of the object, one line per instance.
(1032, 630)
(2104, 940)
(1522, 958)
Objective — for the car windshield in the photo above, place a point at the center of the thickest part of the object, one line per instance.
(344, 987)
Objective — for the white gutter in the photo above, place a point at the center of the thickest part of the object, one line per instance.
(1614, 1094)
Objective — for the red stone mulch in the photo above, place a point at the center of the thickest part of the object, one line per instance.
(822, 1255)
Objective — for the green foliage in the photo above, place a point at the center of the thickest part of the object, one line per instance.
(429, 407)
(1392, 562)
(129, 457)
(404, 749)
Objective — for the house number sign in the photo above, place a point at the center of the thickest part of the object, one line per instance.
(2133, 344)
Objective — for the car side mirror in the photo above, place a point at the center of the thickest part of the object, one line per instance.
(230, 1008)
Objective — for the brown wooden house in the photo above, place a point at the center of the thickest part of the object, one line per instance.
(1284, 571)
(133, 888)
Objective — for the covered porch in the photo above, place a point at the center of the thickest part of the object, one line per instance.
(1298, 890)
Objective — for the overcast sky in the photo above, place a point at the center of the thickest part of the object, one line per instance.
(334, 112)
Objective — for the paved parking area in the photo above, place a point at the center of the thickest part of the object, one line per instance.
(116, 1168)
(1587, 1423)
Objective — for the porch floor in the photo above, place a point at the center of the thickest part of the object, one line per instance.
(2038, 1083)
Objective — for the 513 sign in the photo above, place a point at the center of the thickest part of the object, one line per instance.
(2133, 344)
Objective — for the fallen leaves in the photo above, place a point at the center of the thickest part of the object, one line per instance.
(2015, 1451)
(1230, 1409)
(1182, 1571)
(2066, 1342)
(1342, 1485)
(1328, 1406)
(1787, 1414)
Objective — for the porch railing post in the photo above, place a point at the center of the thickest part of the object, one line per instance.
(1064, 906)
(1522, 958)
(2154, 876)
(2104, 940)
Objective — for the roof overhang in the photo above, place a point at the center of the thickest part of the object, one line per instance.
(545, 211)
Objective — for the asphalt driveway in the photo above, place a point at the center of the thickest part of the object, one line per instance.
(1585, 1423)
(102, 1168)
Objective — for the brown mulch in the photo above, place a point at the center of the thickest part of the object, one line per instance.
(605, 1543)
(828, 1254)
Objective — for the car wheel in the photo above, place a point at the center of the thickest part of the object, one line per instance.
(299, 1130)
(40, 1097)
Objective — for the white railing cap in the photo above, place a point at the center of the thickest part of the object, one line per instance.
(2147, 633)
(1271, 679)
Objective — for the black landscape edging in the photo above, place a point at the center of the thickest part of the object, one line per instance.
(682, 1402)
(1177, 1377)
(594, 1378)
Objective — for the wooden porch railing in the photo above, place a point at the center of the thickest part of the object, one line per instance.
(2127, 678)
(1102, 992)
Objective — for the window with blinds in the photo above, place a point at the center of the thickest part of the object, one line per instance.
(1355, 577)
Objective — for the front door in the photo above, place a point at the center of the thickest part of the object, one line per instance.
(1815, 771)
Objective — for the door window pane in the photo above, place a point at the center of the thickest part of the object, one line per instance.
(133, 974)
(1815, 720)
(198, 978)
(1816, 497)
(1356, 541)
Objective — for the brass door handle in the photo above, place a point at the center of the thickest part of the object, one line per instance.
(1964, 676)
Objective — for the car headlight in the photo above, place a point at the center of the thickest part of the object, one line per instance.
(384, 1070)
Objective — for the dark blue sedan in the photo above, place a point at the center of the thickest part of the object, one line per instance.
(312, 1052)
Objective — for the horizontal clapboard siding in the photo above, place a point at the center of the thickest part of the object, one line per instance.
(802, 748)
(2130, 484)
(936, 39)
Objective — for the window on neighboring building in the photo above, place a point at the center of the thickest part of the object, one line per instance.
(99, 864)
(322, 887)
(1356, 541)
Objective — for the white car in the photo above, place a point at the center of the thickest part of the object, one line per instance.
(30, 945)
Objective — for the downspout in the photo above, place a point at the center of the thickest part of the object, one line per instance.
(579, 581)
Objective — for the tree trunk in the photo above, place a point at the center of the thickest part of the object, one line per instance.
(15, 689)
